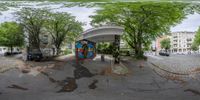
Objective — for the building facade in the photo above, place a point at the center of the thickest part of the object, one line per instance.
(158, 40)
(181, 42)
(46, 44)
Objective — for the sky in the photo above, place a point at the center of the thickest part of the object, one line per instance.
(191, 23)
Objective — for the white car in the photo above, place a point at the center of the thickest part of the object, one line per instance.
(3, 50)
(6, 50)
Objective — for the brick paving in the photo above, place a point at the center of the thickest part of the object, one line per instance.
(180, 68)
(177, 63)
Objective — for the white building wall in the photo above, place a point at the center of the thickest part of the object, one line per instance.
(181, 42)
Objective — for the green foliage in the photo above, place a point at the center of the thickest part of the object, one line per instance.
(33, 20)
(11, 34)
(197, 38)
(62, 26)
(165, 44)
(103, 0)
(104, 48)
(4, 6)
(142, 21)
(67, 51)
(194, 47)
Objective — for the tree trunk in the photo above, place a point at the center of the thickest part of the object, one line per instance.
(34, 42)
(53, 49)
(57, 50)
(11, 50)
(138, 49)
(73, 48)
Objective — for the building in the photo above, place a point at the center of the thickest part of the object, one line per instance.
(158, 40)
(181, 42)
(46, 44)
(156, 46)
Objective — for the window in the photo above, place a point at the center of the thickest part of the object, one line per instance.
(175, 40)
(175, 45)
(188, 45)
(175, 50)
(189, 39)
(45, 39)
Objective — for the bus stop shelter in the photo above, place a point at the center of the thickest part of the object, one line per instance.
(106, 33)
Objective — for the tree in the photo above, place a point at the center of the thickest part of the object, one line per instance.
(197, 38)
(165, 44)
(104, 48)
(142, 22)
(194, 47)
(11, 35)
(33, 20)
(62, 26)
(196, 42)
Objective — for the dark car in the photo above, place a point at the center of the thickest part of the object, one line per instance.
(35, 55)
(164, 53)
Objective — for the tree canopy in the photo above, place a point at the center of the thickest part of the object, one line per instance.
(59, 26)
(165, 44)
(62, 26)
(194, 47)
(197, 38)
(33, 20)
(11, 34)
(142, 22)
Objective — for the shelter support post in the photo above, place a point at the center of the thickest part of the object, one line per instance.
(102, 57)
(116, 49)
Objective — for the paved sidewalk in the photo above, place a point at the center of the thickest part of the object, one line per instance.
(177, 63)
(141, 84)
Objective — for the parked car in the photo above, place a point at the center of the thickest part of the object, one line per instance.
(7, 51)
(16, 50)
(3, 50)
(34, 55)
(163, 53)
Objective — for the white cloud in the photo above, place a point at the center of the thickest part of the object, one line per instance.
(81, 13)
(7, 16)
(191, 23)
